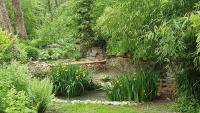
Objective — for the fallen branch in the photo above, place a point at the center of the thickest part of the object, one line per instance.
(88, 62)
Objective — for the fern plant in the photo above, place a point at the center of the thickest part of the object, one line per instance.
(41, 94)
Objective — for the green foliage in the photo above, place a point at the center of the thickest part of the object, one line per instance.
(59, 53)
(58, 27)
(32, 52)
(34, 12)
(186, 105)
(188, 84)
(124, 22)
(97, 9)
(4, 87)
(41, 94)
(171, 40)
(6, 46)
(39, 43)
(16, 102)
(16, 74)
(51, 54)
(19, 94)
(141, 86)
(6, 40)
(70, 23)
(70, 80)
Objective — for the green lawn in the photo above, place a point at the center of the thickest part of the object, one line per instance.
(97, 108)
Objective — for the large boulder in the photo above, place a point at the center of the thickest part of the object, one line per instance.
(94, 51)
(120, 64)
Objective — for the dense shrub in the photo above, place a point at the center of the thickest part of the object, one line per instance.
(6, 40)
(39, 43)
(16, 102)
(141, 86)
(124, 23)
(34, 14)
(59, 27)
(41, 94)
(71, 23)
(19, 94)
(186, 105)
(59, 53)
(188, 84)
(32, 53)
(17, 75)
(10, 49)
(13, 76)
(6, 46)
(97, 9)
(70, 80)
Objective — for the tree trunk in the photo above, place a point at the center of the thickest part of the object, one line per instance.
(20, 27)
(4, 18)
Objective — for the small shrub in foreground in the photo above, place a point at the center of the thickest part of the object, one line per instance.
(186, 105)
(19, 93)
(13, 89)
(16, 74)
(32, 52)
(140, 86)
(41, 94)
(16, 102)
(70, 80)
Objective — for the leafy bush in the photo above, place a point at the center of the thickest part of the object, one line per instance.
(6, 46)
(59, 53)
(124, 23)
(4, 87)
(10, 49)
(39, 43)
(186, 105)
(141, 86)
(32, 52)
(6, 40)
(51, 54)
(70, 80)
(19, 94)
(34, 12)
(16, 102)
(60, 26)
(188, 84)
(13, 76)
(41, 94)
(17, 75)
(22, 55)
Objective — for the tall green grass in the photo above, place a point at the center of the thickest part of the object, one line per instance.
(70, 80)
(140, 86)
